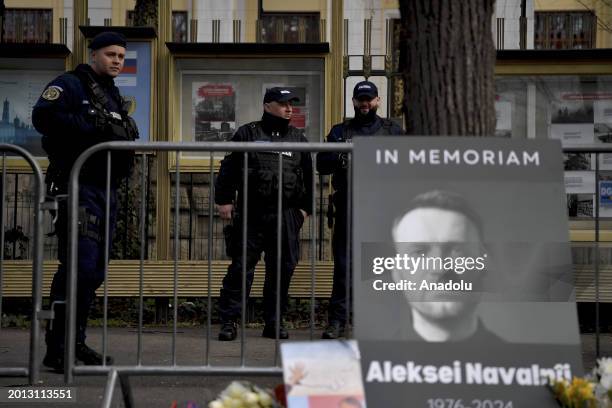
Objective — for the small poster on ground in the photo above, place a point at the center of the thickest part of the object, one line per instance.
(322, 374)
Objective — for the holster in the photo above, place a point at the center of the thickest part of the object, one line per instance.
(330, 211)
(56, 185)
(89, 225)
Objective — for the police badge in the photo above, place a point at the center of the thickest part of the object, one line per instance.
(52, 93)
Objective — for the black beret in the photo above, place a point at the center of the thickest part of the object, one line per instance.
(107, 38)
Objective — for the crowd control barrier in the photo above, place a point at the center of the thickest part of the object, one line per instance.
(121, 373)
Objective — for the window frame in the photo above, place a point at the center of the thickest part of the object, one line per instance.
(37, 30)
(315, 14)
(543, 21)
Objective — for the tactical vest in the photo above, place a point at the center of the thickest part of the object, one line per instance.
(263, 172)
(123, 128)
(339, 178)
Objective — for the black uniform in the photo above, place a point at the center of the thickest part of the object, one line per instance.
(335, 164)
(262, 213)
(76, 111)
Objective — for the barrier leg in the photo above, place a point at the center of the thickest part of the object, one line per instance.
(109, 389)
(126, 390)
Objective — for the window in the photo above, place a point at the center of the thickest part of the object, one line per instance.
(565, 30)
(179, 24)
(28, 25)
(290, 28)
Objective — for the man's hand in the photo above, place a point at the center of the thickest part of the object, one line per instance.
(225, 211)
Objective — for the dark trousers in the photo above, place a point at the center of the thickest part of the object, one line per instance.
(90, 276)
(261, 237)
(338, 302)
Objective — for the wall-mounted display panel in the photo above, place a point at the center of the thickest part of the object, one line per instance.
(22, 81)
(574, 109)
(217, 96)
(134, 82)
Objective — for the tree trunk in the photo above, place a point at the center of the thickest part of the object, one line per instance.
(145, 13)
(448, 62)
(2, 10)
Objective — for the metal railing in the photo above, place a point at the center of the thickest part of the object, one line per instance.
(32, 371)
(596, 150)
(122, 373)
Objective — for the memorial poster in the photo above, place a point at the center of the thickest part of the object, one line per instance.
(463, 283)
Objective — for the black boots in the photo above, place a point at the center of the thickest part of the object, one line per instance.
(333, 331)
(54, 359)
(89, 356)
(229, 331)
(269, 331)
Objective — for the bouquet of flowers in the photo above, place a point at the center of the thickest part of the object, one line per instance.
(242, 394)
(593, 391)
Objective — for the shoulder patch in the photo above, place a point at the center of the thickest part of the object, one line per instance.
(52, 93)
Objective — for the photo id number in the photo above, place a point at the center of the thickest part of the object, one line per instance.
(32, 394)
(474, 403)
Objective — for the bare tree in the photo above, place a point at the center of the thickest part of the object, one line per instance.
(448, 62)
(145, 13)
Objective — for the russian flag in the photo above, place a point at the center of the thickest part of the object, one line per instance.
(130, 63)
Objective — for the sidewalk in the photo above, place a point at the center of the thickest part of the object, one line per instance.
(157, 350)
(190, 350)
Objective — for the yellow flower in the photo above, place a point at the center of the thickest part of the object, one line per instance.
(579, 394)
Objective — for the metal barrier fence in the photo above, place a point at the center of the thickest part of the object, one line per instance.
(597, 150)
(32, 371)
(123, 372)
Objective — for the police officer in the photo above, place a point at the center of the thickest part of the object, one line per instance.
(76, 111)
(365, 123)
(262, 211)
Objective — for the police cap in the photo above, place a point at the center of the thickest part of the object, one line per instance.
(280, 94)
(106, 38)
(365, 88)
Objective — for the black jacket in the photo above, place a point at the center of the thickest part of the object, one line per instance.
(331, 162)
(63, 115)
